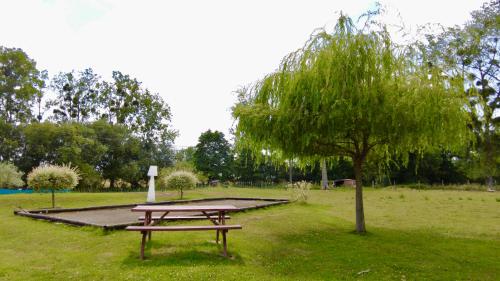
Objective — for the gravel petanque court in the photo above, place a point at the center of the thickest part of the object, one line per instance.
(120, 216)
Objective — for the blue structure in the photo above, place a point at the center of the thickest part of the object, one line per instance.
(14, 191)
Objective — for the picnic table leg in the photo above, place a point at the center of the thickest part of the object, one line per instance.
(217, 231)
(147, 221)
(143, 242)
(224, 242)
(223, 222)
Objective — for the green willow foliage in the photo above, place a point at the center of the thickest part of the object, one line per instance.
(352, 93)
(348, 91)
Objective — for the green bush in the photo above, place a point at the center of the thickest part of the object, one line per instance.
(10, 177)
(179, 180)
(53, 177)
(89, 178)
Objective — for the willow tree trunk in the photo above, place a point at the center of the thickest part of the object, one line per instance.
(324, 175)
(360, 213)
(290, 170)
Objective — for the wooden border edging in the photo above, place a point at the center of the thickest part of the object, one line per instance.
(48, 211)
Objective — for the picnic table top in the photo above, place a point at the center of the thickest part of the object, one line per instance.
(183, 208)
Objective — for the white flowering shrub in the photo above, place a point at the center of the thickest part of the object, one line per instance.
(10, 177)
(179, 180)
(53, 177)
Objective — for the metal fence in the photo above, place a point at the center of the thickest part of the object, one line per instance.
(98, 189)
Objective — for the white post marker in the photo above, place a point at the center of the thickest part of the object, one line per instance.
(152, 173)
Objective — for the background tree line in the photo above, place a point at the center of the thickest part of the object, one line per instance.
(354, 92)
(470, 53)
(111, 130)
(463, 60)
(216, 158)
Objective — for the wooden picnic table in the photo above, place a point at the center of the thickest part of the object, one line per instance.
(184, 208)
(218, 221)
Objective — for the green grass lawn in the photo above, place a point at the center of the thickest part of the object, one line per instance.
(412, 235)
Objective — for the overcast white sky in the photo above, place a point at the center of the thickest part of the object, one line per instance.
(195, 54)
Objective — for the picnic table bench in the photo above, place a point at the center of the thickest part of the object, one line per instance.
(177, 218)
(219, 220)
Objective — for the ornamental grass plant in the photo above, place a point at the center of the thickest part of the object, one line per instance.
(300, 191)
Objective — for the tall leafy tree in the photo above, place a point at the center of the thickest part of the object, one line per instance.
(120, 98)
(40, 145)
(470, 53)
(124, 101)
(21, 85)
(83, 97)
(49, 143)
(10, 141)
(213, 155)
(76, 96)
(121, 158)
(352, 93)
(185, 154)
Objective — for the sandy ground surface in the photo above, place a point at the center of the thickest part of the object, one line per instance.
(110, 217)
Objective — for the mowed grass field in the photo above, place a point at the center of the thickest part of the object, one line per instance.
(412, 235)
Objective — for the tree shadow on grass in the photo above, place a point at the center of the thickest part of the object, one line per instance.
(159, 254)
(382, 254)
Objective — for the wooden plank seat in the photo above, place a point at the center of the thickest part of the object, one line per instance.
(183, 227)
(148, 229)
(155, 218)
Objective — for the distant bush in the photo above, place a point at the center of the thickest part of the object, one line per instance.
(10, 177)
(53, 177)
(118, 184)
(90, 178)
(179, 180)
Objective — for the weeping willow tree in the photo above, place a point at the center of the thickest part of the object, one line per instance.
(353, 93)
